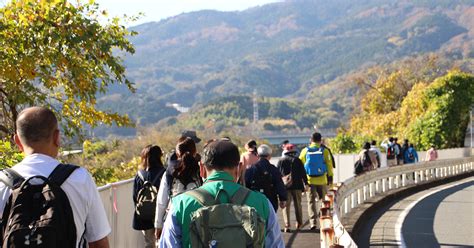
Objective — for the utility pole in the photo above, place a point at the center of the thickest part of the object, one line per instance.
(255, 113)
(255, 107)
(470, 129)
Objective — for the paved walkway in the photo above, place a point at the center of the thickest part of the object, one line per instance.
(304, 238)
(444, 217)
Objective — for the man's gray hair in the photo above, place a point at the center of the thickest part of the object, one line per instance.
(264, 151)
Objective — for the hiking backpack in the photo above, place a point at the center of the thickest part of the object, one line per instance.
(411, 156)
(391, 152)
(146, 198)
(366, 162)
(228, 225)
(38, 212)
(315, 165)
(358, 168)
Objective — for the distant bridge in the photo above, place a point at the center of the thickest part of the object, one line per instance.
(297, 139)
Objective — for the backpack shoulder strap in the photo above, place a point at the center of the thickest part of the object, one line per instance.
(202, 196)
(11, 178)
(158, 176)
(141, 176)
(240, 196)
(61, 173)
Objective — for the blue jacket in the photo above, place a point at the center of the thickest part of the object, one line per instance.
(278, 186)
(407, 156)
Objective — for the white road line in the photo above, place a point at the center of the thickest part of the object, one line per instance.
(398, 225)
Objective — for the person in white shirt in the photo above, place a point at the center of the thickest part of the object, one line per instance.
(38, 137)
(391, 151)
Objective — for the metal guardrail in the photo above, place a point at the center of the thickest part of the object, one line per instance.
(342, 200)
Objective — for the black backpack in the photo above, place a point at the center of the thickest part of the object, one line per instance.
(366, 162)
(358, 168)
(391, 152)
(146, 198)
(38, 215)
(263, 182)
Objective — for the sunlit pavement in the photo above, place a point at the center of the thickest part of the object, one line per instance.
(444, 217)
(304, 237)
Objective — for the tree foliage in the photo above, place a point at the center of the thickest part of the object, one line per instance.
(343, 143)
(434, 112)
(9, 155)
(59, 55)
(444, 112)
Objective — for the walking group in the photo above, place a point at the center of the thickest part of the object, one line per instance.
(217, 198)
(370, 156)
(222, 198)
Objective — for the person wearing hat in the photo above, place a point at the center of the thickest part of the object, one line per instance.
(247, 159)
(190, 134)
(266, 178)
(219, 166)
(318, 166)
(294, 178)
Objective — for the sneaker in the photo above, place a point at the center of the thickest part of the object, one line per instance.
(312, 228)
(287, 230)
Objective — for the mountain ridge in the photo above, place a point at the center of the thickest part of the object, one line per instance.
(287, 49)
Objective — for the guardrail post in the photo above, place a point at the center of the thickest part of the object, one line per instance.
(365, 190)
(353, 200)
(359, 196)
(390, 182)
(346, 206)
(371, 189)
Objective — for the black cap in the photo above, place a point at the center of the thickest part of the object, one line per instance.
(221, 154)
(191, 134)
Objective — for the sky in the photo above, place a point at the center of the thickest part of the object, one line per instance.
(156, 10)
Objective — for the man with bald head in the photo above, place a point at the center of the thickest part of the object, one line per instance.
(38, 137)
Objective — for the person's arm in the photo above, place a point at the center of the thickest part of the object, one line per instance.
(162, 202)
(303, 155)
(171, 235)
(280, 167)
(300, 167)
(328, 161)
(136, 187)
(102, 243)
(384, 144)
(97, 224)
(280, 187)
(249, 176)
(273, 236)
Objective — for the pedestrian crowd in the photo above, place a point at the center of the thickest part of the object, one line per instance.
(221, 198)
(216, 198)
(370, 156)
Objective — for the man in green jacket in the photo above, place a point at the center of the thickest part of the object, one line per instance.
(220, 162)
(318, 165)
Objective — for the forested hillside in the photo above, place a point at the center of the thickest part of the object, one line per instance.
(292, 49)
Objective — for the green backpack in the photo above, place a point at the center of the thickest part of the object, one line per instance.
(226, 225)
